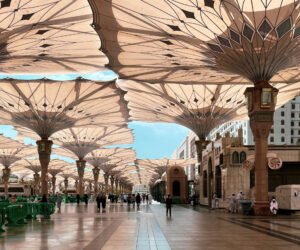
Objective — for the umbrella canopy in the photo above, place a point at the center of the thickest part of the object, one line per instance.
(78, 142)
(104, 157)
(161, 165)
(48, 37)
(198, 107)
(12, 151)
(39, 108)
(211, 41)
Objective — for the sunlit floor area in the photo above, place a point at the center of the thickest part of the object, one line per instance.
(123, 227)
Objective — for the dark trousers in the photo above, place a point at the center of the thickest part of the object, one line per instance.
(168, 209)
(98, 205)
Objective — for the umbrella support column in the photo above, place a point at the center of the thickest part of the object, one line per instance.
(96, 178)
(106, 176)
(261, 106)
(80, 169)
(5, 177)
(44, 149)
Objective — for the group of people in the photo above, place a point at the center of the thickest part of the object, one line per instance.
(235, 202)
(137, 199)
(101, 200)
(129, 198)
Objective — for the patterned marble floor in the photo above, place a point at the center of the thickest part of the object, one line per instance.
(123, 227)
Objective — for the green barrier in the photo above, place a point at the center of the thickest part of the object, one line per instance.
(176, 201)
(45, 209)
(3, 204)
(16, 214)
(31, 209)
(2, 219)
(72, 199)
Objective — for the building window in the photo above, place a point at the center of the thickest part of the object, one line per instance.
(292, 132)
(292, 124)
(282, 131)
(282, 139)
(193, 146)
(293, 115)
(205, 183)
(243, 157)
(282, 113)
(282, 122)
(292, 140)
(272, 131)
(252, 178)
(181, 155)
(293, 106)
(235, 157)
(298, 132)
(271, 139)
(221, 159)
(176, 188)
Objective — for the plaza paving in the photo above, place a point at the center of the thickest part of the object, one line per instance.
(121, 227)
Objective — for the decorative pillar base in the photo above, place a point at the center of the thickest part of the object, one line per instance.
(44, 149)
(200, 144)
(262, 209)
(96, 178)
(106, 176)
(261, 105)
(80, 169)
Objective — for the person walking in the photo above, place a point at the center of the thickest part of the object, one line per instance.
(44, 198)
(59, 201)
(144, 197)
(128, 199)
(274, 206)
(78, 199)
(98, 200)
(133, 200)
(239, 197)
(232, 203)
(103, 201)
(150, 198)
(168, 205)
(86, 199)
(147, 199)
(138, 200)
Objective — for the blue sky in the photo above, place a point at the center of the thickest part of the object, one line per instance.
(152, 140)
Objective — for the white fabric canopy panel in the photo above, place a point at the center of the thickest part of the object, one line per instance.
(117, 157)
(12, 151)
(195, 106)
(35, 166)
(161, 165)
(78, 142)
(200, 41)
(45, 106)
(8, 143)
(48, 36)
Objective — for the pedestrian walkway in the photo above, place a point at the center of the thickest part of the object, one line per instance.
(123, 227)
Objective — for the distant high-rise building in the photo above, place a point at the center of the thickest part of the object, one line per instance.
(286, 128)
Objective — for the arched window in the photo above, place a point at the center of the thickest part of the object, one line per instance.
(205, 183)
(176, 188)
(235, 157)
(218, 184)
(243, 157)
(221, 159)
(252, 178)
(209, 166)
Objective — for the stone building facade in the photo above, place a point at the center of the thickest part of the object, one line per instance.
(223, 173)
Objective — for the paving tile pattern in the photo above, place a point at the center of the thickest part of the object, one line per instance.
(123, 227)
